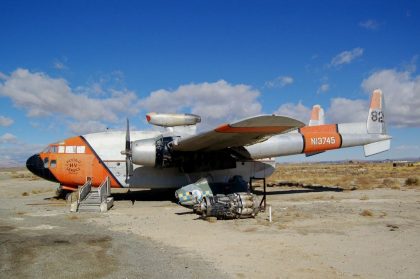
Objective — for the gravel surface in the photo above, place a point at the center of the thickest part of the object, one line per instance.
(40, 239)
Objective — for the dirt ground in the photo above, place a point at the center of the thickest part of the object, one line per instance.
(318, 231)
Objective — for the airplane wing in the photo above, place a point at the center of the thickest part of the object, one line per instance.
(241, 133)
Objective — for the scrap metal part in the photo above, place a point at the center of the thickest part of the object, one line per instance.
(193, 194)
(231, 206)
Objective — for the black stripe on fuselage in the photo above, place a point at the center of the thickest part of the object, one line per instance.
(101, 162)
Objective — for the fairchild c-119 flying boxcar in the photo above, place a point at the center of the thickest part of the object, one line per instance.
(179, 156)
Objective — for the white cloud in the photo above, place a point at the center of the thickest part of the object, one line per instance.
(402, 95)
(346, 57)
(8, 138)
(5, 121)
(59, 65)
(343, 110)
(297, 111)
(280, 81)
(16, 153)
(42, 95)
(86, 127)
(402, 100)
(369, 24)
(216, 103)
(3, 76)
(325, 87)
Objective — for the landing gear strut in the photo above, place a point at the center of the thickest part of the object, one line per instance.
(263, 203)
(60, 193)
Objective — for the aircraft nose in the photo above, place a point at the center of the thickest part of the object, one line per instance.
(35, 165)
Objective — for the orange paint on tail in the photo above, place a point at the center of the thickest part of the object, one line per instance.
(375, 103)
(315, 113)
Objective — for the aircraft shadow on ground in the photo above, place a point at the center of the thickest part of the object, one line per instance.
(169, 194)
(301, 190)
(146, 195)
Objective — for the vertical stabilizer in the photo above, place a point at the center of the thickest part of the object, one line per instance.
(376, 117)
(317, 116)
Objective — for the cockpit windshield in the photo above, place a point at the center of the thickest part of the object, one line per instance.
(52, 148)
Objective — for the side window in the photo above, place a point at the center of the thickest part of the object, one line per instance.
(46, 162)
(81, 149)
(54, 149)
(70, 149)
(53, 163)
(61, 149)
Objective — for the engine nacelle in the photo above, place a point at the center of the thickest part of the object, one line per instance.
(152, 152)
(172, 119)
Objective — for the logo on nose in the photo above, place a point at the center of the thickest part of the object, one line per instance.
(73, 165)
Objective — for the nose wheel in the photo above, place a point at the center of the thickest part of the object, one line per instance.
(62, 194)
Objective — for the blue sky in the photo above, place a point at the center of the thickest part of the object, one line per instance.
(71, 67)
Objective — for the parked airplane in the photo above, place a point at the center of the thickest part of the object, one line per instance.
(178, 156)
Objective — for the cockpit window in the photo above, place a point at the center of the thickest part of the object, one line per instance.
(46, 162)
(71, 149)
(54, 149)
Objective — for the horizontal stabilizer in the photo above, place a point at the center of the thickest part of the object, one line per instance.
(313, 153)
(377, 147)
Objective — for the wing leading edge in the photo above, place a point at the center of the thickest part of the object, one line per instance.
(244, 132)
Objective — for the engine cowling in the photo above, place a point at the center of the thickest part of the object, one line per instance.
(172, 119)
(152, 152)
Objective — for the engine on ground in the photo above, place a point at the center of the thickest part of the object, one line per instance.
(231, 206)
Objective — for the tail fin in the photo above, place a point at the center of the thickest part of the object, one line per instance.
(317, 116)
(376, 124)
(376, 118)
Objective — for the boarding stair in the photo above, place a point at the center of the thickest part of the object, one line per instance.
(93, 199)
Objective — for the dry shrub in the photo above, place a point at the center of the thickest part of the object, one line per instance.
(360, 175)
(364, 182)
(73, 217)
(18, 175)
(281, 226)
(391, 183)
(366, 213)
(412, 181)
(25, 194)
(364, 198)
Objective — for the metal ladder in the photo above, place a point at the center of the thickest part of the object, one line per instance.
(93, 200)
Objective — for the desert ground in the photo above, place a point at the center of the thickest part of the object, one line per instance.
(356, 220)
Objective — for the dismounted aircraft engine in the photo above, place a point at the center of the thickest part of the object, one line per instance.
(231, 206)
